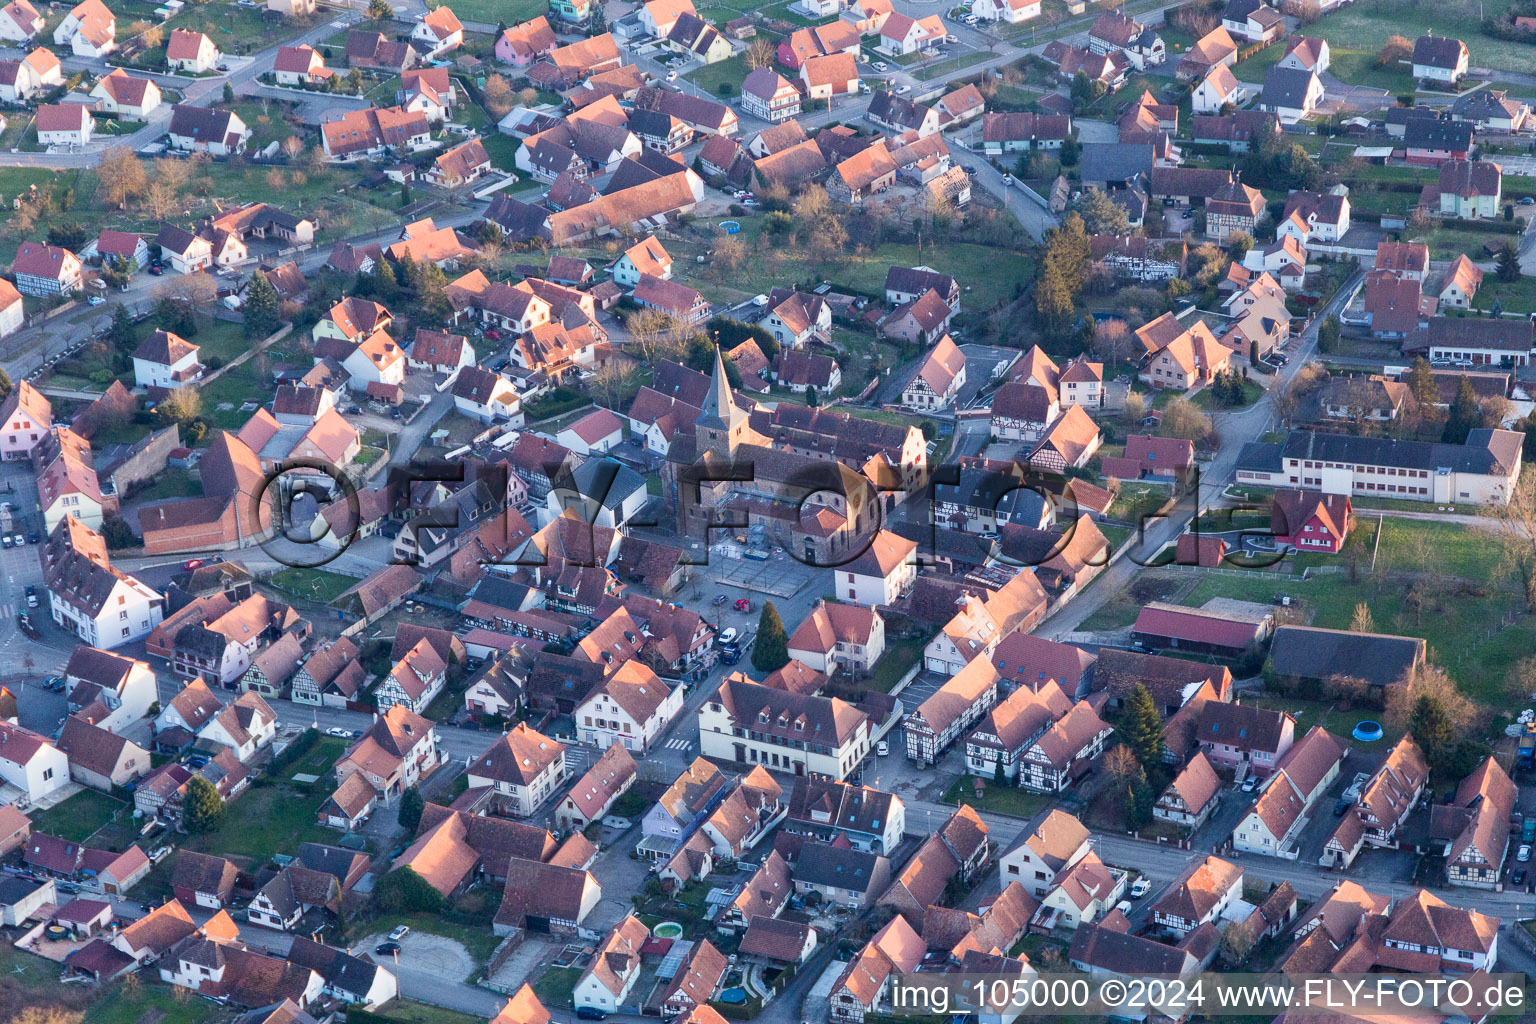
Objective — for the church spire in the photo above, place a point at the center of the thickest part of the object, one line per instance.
(720, 422)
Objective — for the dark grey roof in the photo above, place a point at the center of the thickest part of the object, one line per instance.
(1438, 133)
(348, 974)
(1486, 451)
(1313, 653)
(1259, 457)
(1115, 162)
(987, 489)
(1238, 10)
(1437, 51)
(13, 890)
(1286, 87)
(604, 478)
(824, 864)
(1476, 332)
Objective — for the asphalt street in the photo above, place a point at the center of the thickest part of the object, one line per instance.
(1235, 429)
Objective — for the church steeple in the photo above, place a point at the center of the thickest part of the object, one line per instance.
(721, 425)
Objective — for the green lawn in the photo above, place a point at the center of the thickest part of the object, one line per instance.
(1515, 297)
(999, 799)
(726, 72)
(149, 1001)
(77, 818)
(1309, 713)
(946, 69)
(899, 657)
(1363, 28)
(233, 29)
(234, 389)
(1136, 499)
(1448, 243)
(407, 1012)
(554, 986)
(992, 274)
(171, 483)
(315, 584)
(1463, 609)
(1206, 398)
(490, 12)
(263, 821)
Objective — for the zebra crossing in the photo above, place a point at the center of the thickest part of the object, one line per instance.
(678, 744)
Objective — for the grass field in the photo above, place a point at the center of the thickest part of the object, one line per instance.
(77, 818)
(315, 584)
(1363, 28)
(993, 275)
(1515, 297)
(263, 821)
(710, 77)
(407, 1012)
(1464, 614)
(490, 12)
(1000, 799)
(147, 1002)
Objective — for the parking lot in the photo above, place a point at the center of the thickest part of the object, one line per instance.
(780, 576)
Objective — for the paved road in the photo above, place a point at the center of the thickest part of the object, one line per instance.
(1235, 429)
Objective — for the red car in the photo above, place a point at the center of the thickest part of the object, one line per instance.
(192, 563)
(743, 604)
(493, 334)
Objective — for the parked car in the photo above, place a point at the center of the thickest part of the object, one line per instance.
(1250, 784)
(590, 1013)
(192, 563)
(400, 932)
(744, 604)
(5, 541)
(337, 731)
(1140, 887)
(1527, 829)
(727, 637)
(1517, 877)
(1524, 853)
(34, 538)
(882, 749)
(386, 949)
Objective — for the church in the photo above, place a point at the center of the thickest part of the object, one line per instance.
(727, 477)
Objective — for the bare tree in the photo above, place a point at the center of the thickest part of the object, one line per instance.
(1429, 681)
(646, 328)
(760, 54)
(1514, 532)
(1111, 340)
(498, 95)
(181, 405)
(1120, 761)
(292, 146)
(730, 253)
(1362, 621)
(122, 175)
(613, 380)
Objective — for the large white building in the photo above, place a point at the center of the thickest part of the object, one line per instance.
(524, 768)
(788, 732)
(112, 690)
(882, 574)
(101, 605)
(30, 766)
(632, 707)
(1481, 472)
